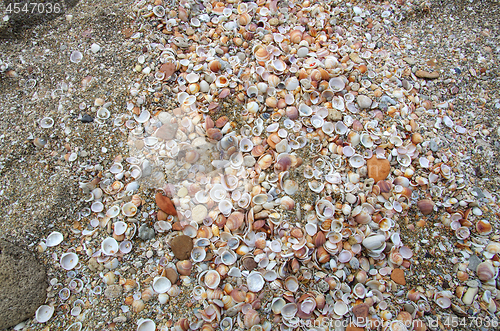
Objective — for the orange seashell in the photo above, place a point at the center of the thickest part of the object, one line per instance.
(244, 19)
(261, 54)
(214, 66)
(165, 204)
(235, 220)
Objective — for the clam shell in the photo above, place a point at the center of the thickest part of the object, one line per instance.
(69, 260)
(109, 246)
(54, 239)
(255, 282)
(161, 284)
(44, 313)
(146, 325)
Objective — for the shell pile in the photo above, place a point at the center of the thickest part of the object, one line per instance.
(284, 151)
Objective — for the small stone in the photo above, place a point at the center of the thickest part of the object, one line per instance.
(398, 276)
(378, 169)
(86, 118)
(360, 311)
(363, 101)
(474, 261)
(171, 274)
(146, 233)
(426, 74)
(113, 291)
(24, 284)
(168, 69)
(165, 204)
(181, 247)
(167, 131)
(93, 264)
(334, 115)
(352, 327)
(433, 145)
(409, 60)
(416, 138)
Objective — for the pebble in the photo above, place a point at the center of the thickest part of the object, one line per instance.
(473, 262)
(113, 291)
(426, 74)
(363, 101)
(171, 274)
(360, 311)
(378, 169)
(86, 118)
(433, 145)
(181, 247)
(398, 276)
(146, 233)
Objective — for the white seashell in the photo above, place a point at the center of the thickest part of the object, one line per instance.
(288, 311)
(54, 239)
(125, 246)
(228, 257)
(291, 284)
(143, 116)
(311, 229)
(336, 84)
(373, 242)
(103, 113)
(192, 77)
(190, 231)
(234, 272)
(324, 209)
(340, 308)
(201, 196)
(424, 162)
(129, 209)
(146, 325)
(244, 200)
(109, 246)
(246, 145)
(328, 128)
(404, 160)
(260, 199)
(357, 161)
(161, 284)
(340, 128)
(291, 83)
(348, 151)
(255, 282)
(119, 227)
(76, 56)
(69, 260)
(198, 254)
(113, 211)
(338, 103)
(97, 207)
(159, 11)
(225, 207)
(316, 186)
(305, 110)
(44, 313)
(229, 182)
(366, 140)
(396, 141)
(317, 121)
(344, 256)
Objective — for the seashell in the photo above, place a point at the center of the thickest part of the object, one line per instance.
(76, 56)
(344, 256)
(244, 19)
(340, 308)
(143, 116)
(305, 110)
(44, 313)
(295, 36)
(255, 282)
(119, 228)
(251, 318)
(161, 284)
(290, 187)
(214, 66)
(228, 257)
(292, 83)
(404, 160)
(357, 161)
(366, 140)
(146, 325)
(483, 227)
(291, 284)
(97, 207)
(163, 298)
(493, 248)
(129, 209)
(68, 261)
(125, 247)
(277, 305)
(485, 271)
(426, 206)
(109, 246)
(288, 311)
(462, 233)
(184, 267)
(212, 279)
(373, 242)
(221, 81)
(442, 300)
(54, 239)
(261, 53)
(336, 84)
(235, 220)
(359, 290)
(246, 145)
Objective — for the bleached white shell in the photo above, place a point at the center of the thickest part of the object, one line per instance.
(255, 282)
(340, 128)
(198, 254)
(109, 246)
(404, 160)
(54, 239)
(125, 246)
(305, 110)
(337, 84)
(288, 311)
(373, 242)
(366, 140)
(161, 284)
(356, 161)
(120, 227)
(113, 211)
(97, 207)
(146, 325)
(69, 260)
(143, 116)
(246, 145)
(103, 113)
(228, 257)
(192, 77)
(340, 308)
(44, 313)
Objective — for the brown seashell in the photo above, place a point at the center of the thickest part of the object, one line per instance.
(165, 204)
(221, 121)
(297, 233)
(183, 324)
(184, 267)
(462, 276)
(129, 300)
(416, 138)
(322, 255)
(235, 221)
(483, 227)
(357, 125)
(258, 150)
(292, 113)
(319, 239)
(261, 54)
(251, 297)
(214, 134)
(147, 294)
(204, 232)
(238, 295)
(137, 306)
(426, 206)
(222, 269)
(295, 36)
(295, 266)
(251, 318)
